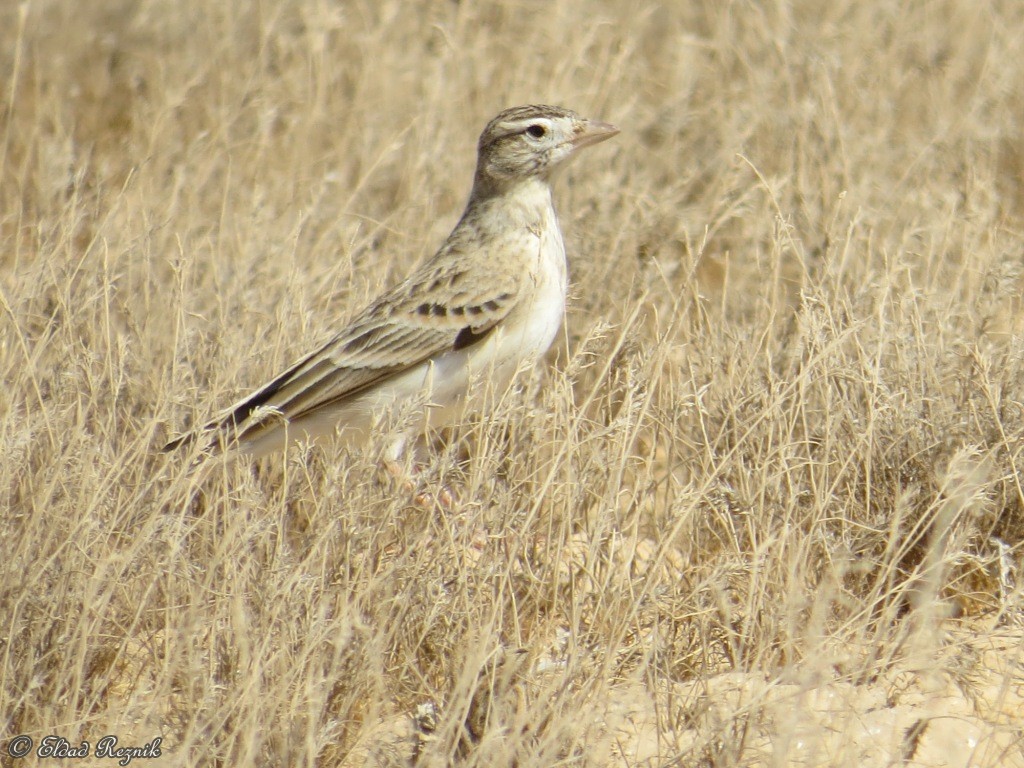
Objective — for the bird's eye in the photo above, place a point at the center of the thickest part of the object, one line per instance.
(537, 131)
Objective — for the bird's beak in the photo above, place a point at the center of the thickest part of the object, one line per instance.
(592, 132)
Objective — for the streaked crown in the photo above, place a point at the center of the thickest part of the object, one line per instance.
(531, 141)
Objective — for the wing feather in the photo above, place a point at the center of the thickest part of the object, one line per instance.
(417, 320)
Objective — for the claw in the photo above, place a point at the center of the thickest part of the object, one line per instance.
(443, 498)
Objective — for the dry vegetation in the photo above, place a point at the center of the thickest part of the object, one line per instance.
(774, 460)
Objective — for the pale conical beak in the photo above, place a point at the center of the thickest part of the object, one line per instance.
(592, 132)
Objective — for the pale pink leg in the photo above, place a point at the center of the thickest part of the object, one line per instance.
(393, 463)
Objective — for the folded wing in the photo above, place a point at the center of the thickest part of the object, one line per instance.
(414, 322)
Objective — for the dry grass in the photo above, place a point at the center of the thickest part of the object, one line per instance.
(781, 436)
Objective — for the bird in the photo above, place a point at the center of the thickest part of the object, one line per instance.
(488, 303)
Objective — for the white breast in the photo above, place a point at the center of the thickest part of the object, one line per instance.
(522, 337)
(540, 315)
(517, 342)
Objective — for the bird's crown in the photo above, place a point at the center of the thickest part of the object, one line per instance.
(531, 141)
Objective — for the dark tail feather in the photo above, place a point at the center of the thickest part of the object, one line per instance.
(212, 436)
(178, 442)
(232, 421)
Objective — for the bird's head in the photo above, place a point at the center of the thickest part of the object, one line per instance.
(532, 141)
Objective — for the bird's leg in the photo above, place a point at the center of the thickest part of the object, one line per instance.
(405, 472)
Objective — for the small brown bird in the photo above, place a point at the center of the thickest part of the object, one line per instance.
(488, 303)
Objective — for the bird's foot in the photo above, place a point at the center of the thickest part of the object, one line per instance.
(443, 497)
